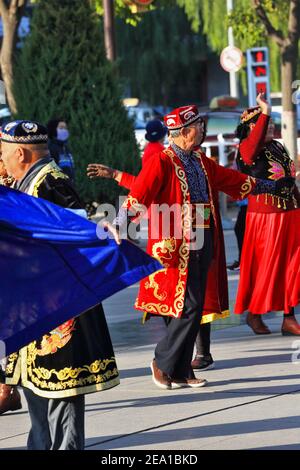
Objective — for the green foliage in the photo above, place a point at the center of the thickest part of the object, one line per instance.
(211, 17)
(121, 10)
(62, 71)
(248, 28)
(192, 10)
(250, 32)
(161, 57)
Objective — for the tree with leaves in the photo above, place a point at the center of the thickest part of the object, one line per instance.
(256, 23)
(286, 35)
(166, 61)
(62, 71)
(11, 12)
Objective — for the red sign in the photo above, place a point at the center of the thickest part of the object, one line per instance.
(259, 56)
(142, 2)
(260, 70)
(261, 88)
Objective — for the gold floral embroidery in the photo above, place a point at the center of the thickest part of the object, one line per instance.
(11, 362)
(161, 251)
(69, 373)
(164, 309)
(67, 377)
(161, 309)
(247, 186)
(52, 169)
(133, 204)
(57, 338)
(73, 384)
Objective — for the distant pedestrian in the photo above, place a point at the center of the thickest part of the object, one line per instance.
(58, 145)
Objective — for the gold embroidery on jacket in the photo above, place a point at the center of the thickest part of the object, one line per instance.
(164, 309)
(68, 377)
(50, 169)
(247, 186)
(11, 362)
(164, 247)
(57, 338)
(133, 204)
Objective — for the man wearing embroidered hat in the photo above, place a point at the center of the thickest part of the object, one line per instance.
(193, 284)
(270, 263)
(76, 358)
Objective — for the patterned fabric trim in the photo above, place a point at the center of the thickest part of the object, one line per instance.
(176, 309)
(74, 392)
(24, 139)
(210, 317)
(51, 168)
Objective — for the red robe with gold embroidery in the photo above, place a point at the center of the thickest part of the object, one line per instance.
(162, 180)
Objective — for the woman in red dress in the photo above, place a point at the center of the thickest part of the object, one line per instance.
(270, 263)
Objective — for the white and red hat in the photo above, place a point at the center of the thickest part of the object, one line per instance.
(181, 117)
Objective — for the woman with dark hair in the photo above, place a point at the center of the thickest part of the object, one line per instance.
(58, 145)
(270, 262)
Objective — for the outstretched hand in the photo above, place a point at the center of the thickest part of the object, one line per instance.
(96, 170)
(108, 227)
(263, 104)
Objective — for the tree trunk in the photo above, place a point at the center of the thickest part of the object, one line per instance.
(10, 25)
(11, 15)
(289, 115)
(109, 30)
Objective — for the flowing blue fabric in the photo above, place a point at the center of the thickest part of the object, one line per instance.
(53, 267)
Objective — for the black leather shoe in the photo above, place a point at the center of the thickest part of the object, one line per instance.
(203, 362)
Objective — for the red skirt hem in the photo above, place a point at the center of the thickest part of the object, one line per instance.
(270, 263)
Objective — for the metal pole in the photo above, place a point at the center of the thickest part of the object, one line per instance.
(109, 30)
(222, 161)
(234, 89)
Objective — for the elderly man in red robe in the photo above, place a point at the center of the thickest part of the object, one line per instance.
(190, 246)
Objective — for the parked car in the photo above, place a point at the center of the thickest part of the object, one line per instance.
(5, 115)
(141, 114)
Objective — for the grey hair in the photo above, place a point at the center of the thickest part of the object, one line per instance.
(175, 133)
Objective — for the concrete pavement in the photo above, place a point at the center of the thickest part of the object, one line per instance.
(251, 400)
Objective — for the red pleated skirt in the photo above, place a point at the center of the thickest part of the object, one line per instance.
(270, 263)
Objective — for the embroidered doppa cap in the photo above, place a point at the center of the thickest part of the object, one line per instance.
(24, 132)
(181, 117)
(249, 113)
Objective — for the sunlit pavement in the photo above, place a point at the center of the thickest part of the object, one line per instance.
(250, 402)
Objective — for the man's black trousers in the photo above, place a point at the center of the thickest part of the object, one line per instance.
(174, 352)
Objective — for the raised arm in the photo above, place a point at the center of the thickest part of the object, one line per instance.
(251, 145)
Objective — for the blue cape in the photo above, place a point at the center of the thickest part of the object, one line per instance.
(53, 267)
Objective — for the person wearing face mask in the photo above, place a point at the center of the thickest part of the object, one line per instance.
(269, 269)
(58, 145)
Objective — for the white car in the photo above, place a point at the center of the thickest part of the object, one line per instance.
(141, 115)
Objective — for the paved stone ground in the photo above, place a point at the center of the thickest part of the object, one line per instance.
(250, 402)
